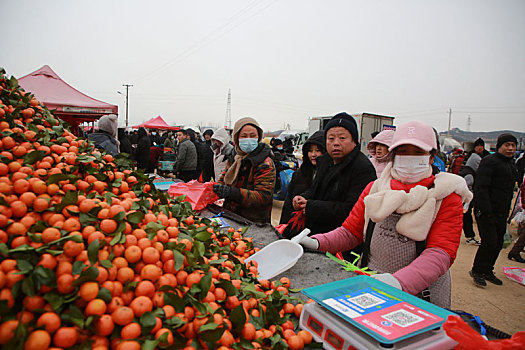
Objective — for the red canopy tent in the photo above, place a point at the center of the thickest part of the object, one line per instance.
(70, 104)
(156, 123)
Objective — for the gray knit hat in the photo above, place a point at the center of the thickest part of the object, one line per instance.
(109, 123)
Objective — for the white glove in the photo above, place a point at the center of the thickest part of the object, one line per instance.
(310, 243)
(388, 279)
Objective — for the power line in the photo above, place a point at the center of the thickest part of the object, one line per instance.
(207, 39)
(490, 112)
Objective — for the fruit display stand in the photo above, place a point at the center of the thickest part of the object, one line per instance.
(93, 256)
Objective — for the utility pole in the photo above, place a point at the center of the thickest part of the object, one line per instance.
(127, 96)
(228, 121)
(469, 122)
(449, 119)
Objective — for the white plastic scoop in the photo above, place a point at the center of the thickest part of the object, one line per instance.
(278, 256)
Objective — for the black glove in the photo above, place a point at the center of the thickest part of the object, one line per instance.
(222, 191)
(479, 214)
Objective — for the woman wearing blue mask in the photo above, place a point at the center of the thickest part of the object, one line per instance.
(247, 184)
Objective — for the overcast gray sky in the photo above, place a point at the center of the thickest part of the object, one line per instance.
(284, 60)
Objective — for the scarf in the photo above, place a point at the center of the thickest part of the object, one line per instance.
(233, 171)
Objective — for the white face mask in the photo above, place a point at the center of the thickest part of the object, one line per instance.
(412, 169)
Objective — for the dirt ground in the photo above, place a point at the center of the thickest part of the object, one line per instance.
(498, 306)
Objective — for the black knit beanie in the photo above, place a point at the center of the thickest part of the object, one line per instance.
(346, 121)
(479, 142)
(503, 138)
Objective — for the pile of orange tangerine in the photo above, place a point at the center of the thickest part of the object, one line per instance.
(94, 257)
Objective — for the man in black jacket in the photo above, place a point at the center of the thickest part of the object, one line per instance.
(479, 149)
(143, 149)
(125, 145)
(342, 174)
(494, 188)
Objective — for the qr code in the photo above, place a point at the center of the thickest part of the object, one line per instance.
(402, 318)
(366, 300)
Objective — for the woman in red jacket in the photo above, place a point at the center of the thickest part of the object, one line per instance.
(409, 219)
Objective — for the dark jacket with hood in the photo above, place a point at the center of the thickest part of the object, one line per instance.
(207, 161)
(303, 177)
(252, 193)
(494, 186)
(482, 155)
(143, 149)
(335, 190)
(125, 144)
(134, 138)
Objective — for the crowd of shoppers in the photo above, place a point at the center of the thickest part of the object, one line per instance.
(399, 206)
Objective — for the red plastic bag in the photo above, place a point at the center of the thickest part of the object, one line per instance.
(198, 194)
(280, 228)
(469, 339)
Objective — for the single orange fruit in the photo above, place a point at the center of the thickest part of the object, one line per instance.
(141, 305)
(295, 342)
(88, 291)
(307, 336)
(104, 325)
(38, 339)
(128, 345)
(95, 307)
(145, 288)
(169, 340)
(123, 315)
(65, 337)
(65, 283)
(131, 331)
(108, 226)
(50, 234)
(150, 272)
(133, 254)
(150, 255)
(50, 321)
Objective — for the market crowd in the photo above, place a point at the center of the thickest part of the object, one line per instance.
(402, 207)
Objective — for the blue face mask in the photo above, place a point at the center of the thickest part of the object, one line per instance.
(248, 145)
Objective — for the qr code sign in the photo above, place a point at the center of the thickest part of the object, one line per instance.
(402, 318)
(366, 300)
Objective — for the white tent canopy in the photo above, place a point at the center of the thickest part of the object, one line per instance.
(448, 144)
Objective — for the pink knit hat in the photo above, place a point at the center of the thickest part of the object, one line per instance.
(414, 133)
(384, 137)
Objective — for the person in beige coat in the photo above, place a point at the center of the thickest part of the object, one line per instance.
(223, 151)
